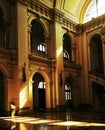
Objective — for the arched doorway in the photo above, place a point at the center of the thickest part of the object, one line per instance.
(2, 94)
(69, 91)
(39, 98)
(98, 95)
(68, 95)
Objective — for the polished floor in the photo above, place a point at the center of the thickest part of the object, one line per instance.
(69, 120)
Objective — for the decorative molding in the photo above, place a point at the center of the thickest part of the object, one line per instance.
(94, 23)
(103, 31)
(49, 14)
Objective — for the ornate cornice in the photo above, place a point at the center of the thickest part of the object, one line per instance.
(55, 15)
(37, 59)
(94, 23)
(49, 13)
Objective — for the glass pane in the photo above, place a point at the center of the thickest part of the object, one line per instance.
(96, 8)
(40, 85)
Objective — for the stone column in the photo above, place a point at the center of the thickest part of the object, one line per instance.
(47, 42)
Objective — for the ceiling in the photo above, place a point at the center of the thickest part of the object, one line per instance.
(73, 9)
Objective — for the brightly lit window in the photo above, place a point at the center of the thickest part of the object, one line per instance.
(66, 55)
(68, 92)
(96, 8)
(41, 47)
(41, 85)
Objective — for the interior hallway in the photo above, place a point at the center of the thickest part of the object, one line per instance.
(70, 120)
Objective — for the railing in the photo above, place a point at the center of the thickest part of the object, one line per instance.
(38, 53)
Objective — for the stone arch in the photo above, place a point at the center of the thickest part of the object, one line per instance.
(40, 20)
(48, 91)
(42, 73)
(67, 45)
(69, 35)
(94, 33)
(74, 83)
(84, 8)
(71, 76)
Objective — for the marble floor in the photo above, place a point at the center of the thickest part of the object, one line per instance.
(55, 121)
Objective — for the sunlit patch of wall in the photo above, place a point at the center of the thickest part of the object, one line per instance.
(23, 97)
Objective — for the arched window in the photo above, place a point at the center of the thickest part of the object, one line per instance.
(96, 8)
(67, 51)
(37, 36)
(96, 54)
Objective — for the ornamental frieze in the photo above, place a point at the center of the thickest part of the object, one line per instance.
(49, 14)
(94, 23)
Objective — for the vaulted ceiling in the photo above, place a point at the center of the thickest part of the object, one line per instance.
(73, 9)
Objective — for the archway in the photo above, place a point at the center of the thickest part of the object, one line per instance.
(39, 98)
(69, 91)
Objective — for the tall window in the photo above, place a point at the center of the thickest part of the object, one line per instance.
(67, 51)
(37, 37)
(96, 8)
(96, 54)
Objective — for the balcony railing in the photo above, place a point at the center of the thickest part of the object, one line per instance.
(38, 53)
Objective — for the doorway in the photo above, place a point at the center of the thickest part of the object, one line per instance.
(98, 95)
(39, 92)
(69, 91)
(68, 95)
(41, 95)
